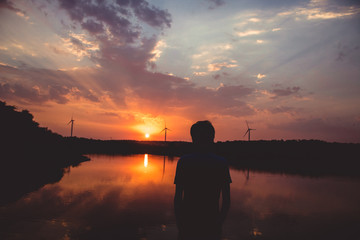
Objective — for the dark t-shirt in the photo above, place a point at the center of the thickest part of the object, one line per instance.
(201, 175)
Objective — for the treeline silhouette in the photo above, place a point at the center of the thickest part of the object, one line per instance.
(31, 156)
(303, 157)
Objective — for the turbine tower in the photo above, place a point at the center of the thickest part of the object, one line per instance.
(72, 126)
(165, 129)
(248, 130)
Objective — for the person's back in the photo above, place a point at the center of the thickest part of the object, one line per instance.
(200, 178)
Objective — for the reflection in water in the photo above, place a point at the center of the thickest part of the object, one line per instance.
(121, 197)
(146, 160)
(163, 168)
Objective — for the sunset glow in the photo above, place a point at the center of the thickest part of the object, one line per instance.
(289, 68)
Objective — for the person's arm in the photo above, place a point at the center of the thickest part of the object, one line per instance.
(178, 200)
(225, 192)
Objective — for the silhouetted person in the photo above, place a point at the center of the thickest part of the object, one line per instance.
(200, 178)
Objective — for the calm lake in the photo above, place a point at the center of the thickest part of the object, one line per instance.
(131, 197)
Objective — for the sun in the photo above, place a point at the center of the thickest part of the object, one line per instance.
(147, 135)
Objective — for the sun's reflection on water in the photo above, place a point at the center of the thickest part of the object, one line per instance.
(146, 160)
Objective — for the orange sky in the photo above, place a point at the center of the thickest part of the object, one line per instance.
(123, 69)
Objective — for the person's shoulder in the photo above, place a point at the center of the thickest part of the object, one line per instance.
(188, 158)
(219, 159)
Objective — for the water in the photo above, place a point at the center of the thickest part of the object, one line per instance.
(131, 197)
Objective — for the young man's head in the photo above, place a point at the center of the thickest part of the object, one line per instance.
(202, 132)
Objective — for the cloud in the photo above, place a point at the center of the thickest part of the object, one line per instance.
(260, 76)
(213, 67)
(322, 10)
(250, 33)
(10, 5)
(117, 29)
(216, 3)
(317, 14)
(284, 92)
(283, 109)
(171, 95)
(41, 85)
(78, 45)
(95, 16)
(157, 50)
(150, 14)
(33, 94)
(200, 73)
(93, 26)
(351, 3)
(216, 76)
(346, 50)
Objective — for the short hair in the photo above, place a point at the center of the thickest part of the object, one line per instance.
(202, 132)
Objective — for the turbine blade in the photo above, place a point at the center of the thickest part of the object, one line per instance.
(246, 132)
(247, 124)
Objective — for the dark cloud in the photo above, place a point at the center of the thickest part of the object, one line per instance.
(150, 14)
(345, 50)
(15, 91)
(271, 4)
(283, 109)
(110, 114)
(234, 91)
(345, 2)
(77, 44)
(167, 93)
(94, 15)
(127, 55)
(58, 94)
(116, 27)
(93, 26)
(41, 85)
(216, 3)
(216, 76)
(283, 92)
(9, 5)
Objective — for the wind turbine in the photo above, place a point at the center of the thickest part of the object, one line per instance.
(72, 125)
(163, 169)
(165, 129)
(248, 130)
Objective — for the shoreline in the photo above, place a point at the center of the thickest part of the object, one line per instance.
(302, 157)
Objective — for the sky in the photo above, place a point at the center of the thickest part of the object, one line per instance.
(124, 68)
